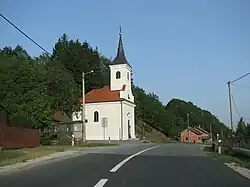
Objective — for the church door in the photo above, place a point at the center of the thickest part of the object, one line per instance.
(129, 129)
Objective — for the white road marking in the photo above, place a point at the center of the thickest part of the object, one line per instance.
(101, 183)
(130, 157)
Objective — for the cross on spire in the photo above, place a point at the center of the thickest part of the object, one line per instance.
(120, 30)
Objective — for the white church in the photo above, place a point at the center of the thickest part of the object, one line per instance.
(110, 111)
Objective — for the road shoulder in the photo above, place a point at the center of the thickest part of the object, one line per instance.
(37, 156)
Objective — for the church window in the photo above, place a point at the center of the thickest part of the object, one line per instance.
(118, 75)
(128, 75)
(96, 116)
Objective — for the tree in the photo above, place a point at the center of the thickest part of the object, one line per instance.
(43, 58)
(80, 57)
(241, 129)
(62, 88)
(248, 130)
(23, 92)
(18, 52)
(21, 53)
(35, 91)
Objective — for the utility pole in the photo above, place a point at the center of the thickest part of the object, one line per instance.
(142, 135)
(230, 105)
(83, 106)
(83, 109)
(211, 134)
(230, 98)
(188, 127)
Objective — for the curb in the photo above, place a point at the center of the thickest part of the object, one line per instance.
(38, 161)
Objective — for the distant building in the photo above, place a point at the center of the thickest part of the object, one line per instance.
(194, 135)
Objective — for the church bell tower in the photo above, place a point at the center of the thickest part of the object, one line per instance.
(120, 69)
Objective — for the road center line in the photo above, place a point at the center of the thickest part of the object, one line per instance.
(130, 157)
(101, 183)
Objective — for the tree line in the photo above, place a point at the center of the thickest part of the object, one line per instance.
(35, 87)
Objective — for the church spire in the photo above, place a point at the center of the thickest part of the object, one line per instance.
(120, 56)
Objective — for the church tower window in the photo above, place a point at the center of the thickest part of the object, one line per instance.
(118, 75)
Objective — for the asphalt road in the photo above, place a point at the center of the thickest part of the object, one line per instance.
(147, 165)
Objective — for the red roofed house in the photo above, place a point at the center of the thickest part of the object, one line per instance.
(110, 110)
(194, 135)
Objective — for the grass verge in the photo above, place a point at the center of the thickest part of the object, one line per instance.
(228, 157)
(9, 157)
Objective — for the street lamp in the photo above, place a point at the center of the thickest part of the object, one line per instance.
(83, 105)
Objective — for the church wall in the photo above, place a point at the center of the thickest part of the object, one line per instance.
(127, 94)
(94, 130)
(128, 115)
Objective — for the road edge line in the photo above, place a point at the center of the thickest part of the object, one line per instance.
(114, 169)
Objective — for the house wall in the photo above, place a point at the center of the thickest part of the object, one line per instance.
(94, 130)
(128, 115)
(193, 138)
(116, 84)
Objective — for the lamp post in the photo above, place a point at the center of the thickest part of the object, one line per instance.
(83, 105)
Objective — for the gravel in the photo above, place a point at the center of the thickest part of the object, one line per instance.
(243, 171)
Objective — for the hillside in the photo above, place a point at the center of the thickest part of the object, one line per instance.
(197, 116)
(147, 132)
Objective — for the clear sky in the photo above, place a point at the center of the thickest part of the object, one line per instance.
(178, 48)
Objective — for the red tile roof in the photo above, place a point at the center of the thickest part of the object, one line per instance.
(201, 130)
(103, 95)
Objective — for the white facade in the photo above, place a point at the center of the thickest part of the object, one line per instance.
(120, 120)
(125, 76)
(120, 114)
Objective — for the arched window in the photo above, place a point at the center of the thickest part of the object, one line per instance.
(128, 75)
(96, 116)
(118, 75)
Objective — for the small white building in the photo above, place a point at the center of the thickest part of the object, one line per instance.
(110, 111)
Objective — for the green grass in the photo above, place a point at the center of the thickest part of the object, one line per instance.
(228, 157)
(10, 154)
(8, 157)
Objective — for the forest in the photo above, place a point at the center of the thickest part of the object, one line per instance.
(33, 88)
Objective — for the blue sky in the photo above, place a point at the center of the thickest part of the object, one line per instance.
(178, 49)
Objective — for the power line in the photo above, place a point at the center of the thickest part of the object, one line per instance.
(33, 41)
(236, 107)
(241, 85)
(25, 34)
(240, 78)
